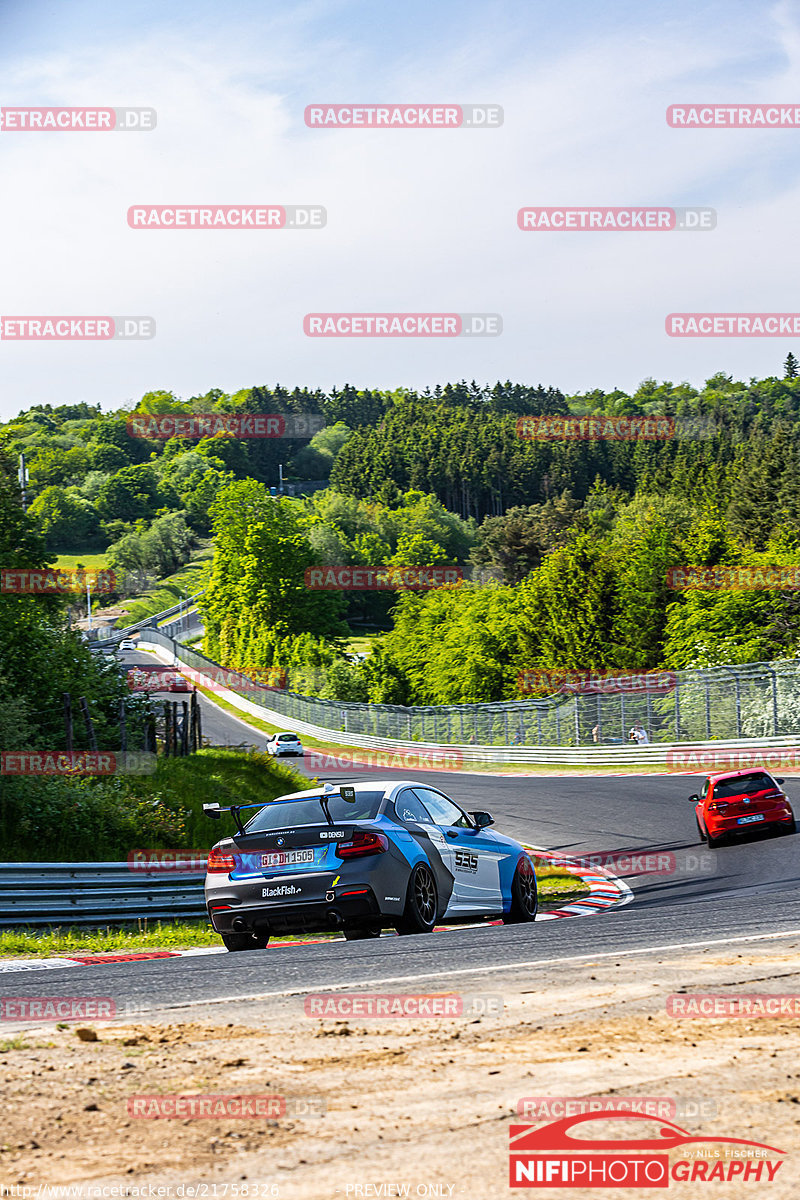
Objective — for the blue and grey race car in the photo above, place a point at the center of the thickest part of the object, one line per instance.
(361, 858)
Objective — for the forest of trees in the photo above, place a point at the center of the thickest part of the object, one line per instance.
(564, 545)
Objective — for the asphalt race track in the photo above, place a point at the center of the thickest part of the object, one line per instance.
(746, 889)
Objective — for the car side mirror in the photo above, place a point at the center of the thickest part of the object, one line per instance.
(778, 780)
(482, 819)
(694, 799)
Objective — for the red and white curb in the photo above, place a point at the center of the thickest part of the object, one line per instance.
(605, 891)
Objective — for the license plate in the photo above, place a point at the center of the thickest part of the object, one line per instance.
(285, 858)
(749, 820)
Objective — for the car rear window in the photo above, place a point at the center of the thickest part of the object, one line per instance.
(287, 814)
(743, 785)
(287, 737)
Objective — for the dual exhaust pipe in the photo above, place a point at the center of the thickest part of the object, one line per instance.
(240, 925)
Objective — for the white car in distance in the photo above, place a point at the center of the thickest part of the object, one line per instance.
(285, 743)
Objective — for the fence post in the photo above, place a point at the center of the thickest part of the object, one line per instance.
(68, 719)
(167, 729)
(90, 733)
(185, 730)
(774, 678)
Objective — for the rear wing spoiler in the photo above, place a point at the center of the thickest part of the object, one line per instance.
(215, 811)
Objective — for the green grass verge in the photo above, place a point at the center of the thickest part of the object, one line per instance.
(91, 559)
(226, 777)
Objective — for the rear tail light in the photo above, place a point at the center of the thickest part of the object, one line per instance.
(718, 806)
(219, 863)
(362, 843)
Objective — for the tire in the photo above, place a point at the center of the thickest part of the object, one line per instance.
(245, 941)
(703, 836)
(720, 840)
(789, 829)
(361, 934)
(422, 902)
(524, 896)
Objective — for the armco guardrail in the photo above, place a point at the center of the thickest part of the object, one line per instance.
(94, 894)
(263, 703)
(756, 700)
(116, 635)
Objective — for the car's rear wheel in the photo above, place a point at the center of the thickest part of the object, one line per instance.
(524, 896)
(719, 840)
(245, 941)
(359, 935)
(703, 836)
(788, 829)
(419, 914)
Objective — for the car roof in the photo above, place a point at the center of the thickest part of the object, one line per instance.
(364, 785)
(717, 775)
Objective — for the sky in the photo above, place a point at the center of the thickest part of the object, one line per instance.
(418, 220)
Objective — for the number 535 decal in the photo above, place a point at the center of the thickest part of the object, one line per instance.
(466, 861)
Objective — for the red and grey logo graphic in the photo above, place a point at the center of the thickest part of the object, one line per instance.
(560, 1154)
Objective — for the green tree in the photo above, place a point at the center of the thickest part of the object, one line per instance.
(66, 520)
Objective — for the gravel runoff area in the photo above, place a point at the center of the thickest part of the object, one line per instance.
(384, 1106)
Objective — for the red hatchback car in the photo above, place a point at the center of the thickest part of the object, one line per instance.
(737, 801)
